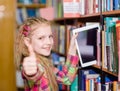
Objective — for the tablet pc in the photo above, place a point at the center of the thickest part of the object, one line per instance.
(86, 43)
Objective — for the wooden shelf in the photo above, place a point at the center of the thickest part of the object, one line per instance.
(20, 88)
(59, 53)
(99, 69)
(112, 13)
(20, 5)
(105, 70)
(87, 18)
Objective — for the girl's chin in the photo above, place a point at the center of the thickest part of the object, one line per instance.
(47, 54)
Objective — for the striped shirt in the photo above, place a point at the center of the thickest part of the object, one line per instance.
(39, 82)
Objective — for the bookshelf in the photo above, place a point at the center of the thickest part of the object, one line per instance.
(25, 10)
(94, 17)
(87, 18)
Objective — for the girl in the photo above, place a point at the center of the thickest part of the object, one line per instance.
(34, 42)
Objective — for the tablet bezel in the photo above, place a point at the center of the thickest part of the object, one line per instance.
(85, 28)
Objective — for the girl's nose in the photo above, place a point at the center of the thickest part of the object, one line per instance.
(48, 40)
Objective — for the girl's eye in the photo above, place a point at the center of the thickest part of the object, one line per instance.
(41, 38)
(51, 36)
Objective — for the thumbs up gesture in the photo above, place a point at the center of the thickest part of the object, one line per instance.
(30, 62)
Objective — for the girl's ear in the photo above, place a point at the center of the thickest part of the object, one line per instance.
(27, 41)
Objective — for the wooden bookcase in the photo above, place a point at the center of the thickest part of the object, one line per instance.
(70, 21)
(91, 18)
(7, 66)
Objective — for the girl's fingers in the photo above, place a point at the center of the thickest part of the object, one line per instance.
(30, 49)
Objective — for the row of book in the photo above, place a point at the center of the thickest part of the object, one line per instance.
(53, 10)
(110, 54)
(31, 1)
(69, 8)
(90, 80)
(111, 44)
(23, 13)
(59, 38)
(75, 8)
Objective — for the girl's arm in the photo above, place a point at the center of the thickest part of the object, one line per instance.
(69, 70)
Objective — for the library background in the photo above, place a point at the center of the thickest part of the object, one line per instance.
(66, 15)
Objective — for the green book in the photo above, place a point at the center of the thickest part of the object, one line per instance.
(74, 85)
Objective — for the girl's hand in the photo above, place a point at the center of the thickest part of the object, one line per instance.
(30, 62)
(72, 48)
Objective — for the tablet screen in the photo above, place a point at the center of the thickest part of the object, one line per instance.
(87, 44)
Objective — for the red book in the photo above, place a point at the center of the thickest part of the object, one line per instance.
(71, 8)
(47, 13)
(118, 45)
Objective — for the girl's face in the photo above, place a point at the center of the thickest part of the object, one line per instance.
(42, 40)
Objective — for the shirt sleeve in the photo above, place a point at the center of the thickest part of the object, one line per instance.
(30, 81)
(68, 72)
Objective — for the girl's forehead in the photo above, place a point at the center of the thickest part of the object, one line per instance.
(40, 30)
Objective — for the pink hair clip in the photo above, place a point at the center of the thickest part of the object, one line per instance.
(26, 30)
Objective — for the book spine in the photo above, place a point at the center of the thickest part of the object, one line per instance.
(71, 8)
(118, 44)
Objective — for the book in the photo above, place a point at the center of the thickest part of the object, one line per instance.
(74, 85)
(31, 12)
(118, 45)
(56, 33)
(90, 79)
(19, 80)
(110, 44)
(82, 78)
(71, 8)
(47, 13)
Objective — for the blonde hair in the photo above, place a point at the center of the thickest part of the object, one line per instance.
(22, 51)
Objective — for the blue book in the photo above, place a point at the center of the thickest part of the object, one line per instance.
(19, 16)
(108, 5)
(31, 12)
(82, 78)
(43, 1)
(116, 4)
(55, 58)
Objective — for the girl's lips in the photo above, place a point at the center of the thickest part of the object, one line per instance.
(47, 48)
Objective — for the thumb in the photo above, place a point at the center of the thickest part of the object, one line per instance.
(29, 46)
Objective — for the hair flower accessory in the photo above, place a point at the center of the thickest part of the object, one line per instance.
(26, 30)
